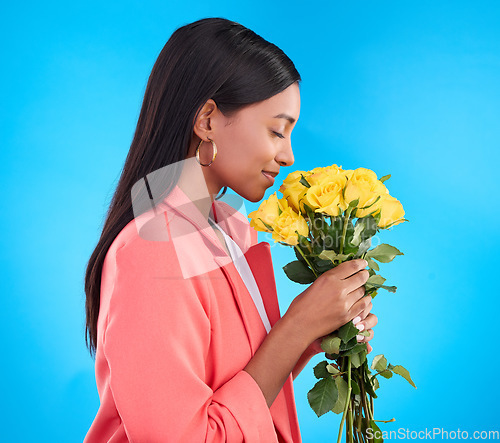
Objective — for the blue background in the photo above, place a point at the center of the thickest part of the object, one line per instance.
(404, 88)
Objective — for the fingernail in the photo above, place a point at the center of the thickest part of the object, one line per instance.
(356, 320)
(360, 326)
(366, 263)
(359, 337)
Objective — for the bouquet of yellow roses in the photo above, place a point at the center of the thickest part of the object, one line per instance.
(329, 215)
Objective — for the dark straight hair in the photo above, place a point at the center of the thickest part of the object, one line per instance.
(212, 58)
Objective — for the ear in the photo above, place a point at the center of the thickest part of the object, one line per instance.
(203, 125)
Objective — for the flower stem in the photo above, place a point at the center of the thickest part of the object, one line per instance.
(307, 261)
(350, 423)
(348, 399)
(364, 402)
(344, 229)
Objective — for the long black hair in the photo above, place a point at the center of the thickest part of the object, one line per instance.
(212, 58)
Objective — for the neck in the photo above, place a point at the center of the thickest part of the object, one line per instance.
(196, 184)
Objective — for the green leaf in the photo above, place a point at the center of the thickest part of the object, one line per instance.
(358, 359)
(372, 264)
(375, 279)
(331, 344)
(333, 256)
(347, 332)
(384, 178)
(400, 370)
(342, 389)
(370, 226)
(384, 253)
(379, 363)
(332, 369)
(334, 233)
(348, 345)
(304, 182)
(363, 247)
(387, 288)
(321, 265)
(355, 387)
(369, 383)
(356, 238)
(375, 435)
(386, 373)
(353, 203)
(266, 225)
(299, 272)
(354, 350)
(323, 396)
(320, 370)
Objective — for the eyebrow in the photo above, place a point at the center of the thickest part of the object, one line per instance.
(285, 116)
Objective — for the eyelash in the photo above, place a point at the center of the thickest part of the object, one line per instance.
(277, 134)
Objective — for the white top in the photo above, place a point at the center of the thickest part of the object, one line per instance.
(241, 265)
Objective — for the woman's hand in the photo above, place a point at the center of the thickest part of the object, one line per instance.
(333, 299)
(366, 324)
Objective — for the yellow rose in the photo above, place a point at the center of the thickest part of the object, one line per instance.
(293, 190)
(364, 185)
(293, 195)
(286, 224)
(293, 177)
(268, 212)
(326, 195)
(348, 173)
(318, 175)
(391, 211)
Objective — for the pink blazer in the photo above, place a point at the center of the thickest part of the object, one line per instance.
(177, 326)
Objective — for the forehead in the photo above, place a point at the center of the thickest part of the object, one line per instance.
(286, 102)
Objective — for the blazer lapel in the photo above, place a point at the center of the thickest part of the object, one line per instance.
(258, 257)
(259, 260)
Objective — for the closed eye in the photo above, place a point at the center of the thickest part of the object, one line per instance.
(278, 134)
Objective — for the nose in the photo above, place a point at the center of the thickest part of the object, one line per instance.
(285, 155)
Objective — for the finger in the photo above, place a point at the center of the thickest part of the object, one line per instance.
(357, 280)
(362, 338)
(369, 348)
(358, 307)
(356, 295)
(369, 322)
(366, 312)
(348, 268)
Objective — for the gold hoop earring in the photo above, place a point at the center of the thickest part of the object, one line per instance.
(213, 155)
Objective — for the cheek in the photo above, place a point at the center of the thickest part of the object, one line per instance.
(245, 145)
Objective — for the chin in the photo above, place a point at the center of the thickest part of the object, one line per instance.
(256, 195)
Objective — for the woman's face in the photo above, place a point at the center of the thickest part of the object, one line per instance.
(254, 140)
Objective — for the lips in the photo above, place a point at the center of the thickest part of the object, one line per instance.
(269, 175)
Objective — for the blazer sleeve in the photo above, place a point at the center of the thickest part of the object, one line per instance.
(156, 341)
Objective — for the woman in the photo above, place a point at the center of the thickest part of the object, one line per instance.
(182, 313)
